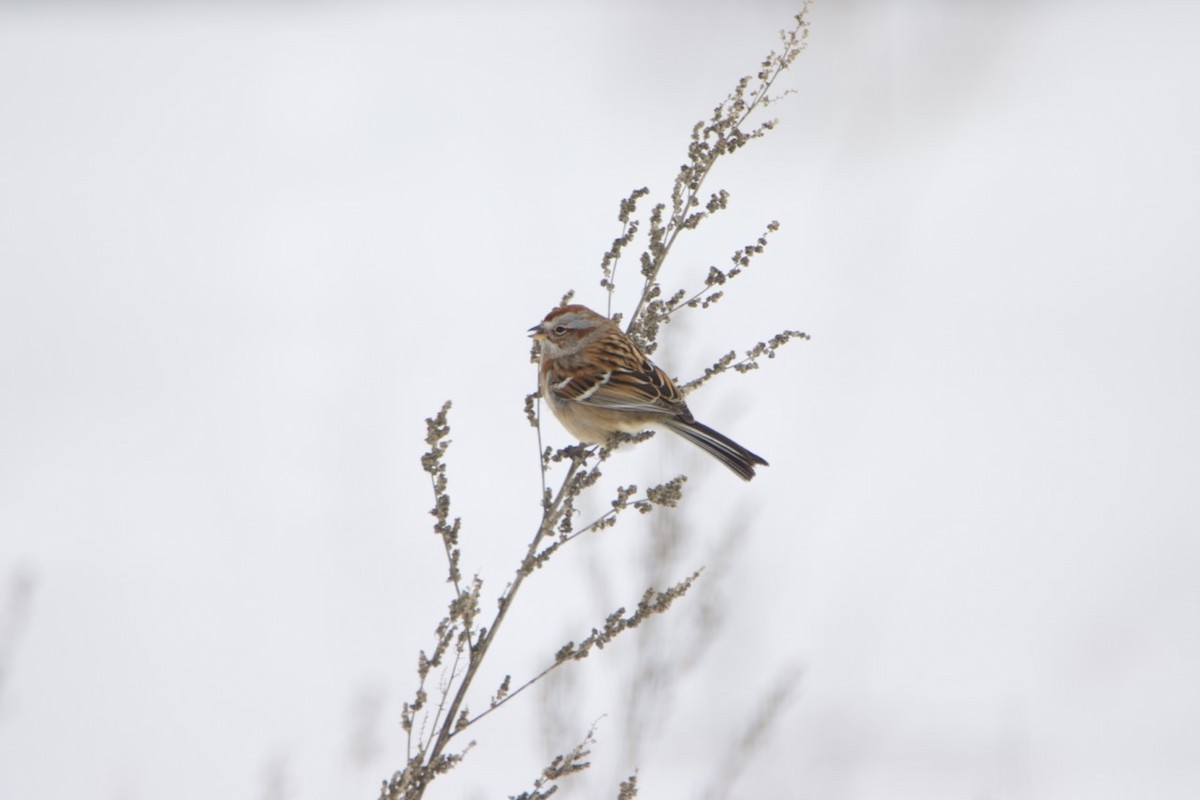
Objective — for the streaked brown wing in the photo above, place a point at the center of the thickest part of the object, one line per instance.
(629, 381)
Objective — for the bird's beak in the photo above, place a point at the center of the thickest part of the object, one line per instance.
(537, 332)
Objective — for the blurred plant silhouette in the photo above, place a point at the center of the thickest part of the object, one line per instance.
(14, 616)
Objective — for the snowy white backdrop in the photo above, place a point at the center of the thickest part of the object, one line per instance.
(246, 249)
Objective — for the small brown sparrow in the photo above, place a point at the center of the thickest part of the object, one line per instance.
(598, 382)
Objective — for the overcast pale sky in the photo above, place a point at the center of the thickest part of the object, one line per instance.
(246, 249)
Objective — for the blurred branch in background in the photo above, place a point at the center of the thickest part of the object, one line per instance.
(741, 753)
(662, 657)
(14, 617)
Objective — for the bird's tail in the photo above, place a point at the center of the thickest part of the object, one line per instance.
(724, 449)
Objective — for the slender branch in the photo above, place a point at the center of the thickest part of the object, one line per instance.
(705, 158)
(629, 228)
(513, 693)
(541, 449)
(549, 517)
(652, 603)
(451, 561)
(441, 706)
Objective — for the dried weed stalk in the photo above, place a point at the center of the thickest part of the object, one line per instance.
(438, 718)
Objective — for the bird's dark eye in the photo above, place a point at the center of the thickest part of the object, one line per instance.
(560, 329)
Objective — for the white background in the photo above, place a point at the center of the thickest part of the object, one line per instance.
(246, 249)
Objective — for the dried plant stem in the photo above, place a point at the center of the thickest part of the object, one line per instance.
(439, 722)
(550, 516)
(452, 563)
(729, 137)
